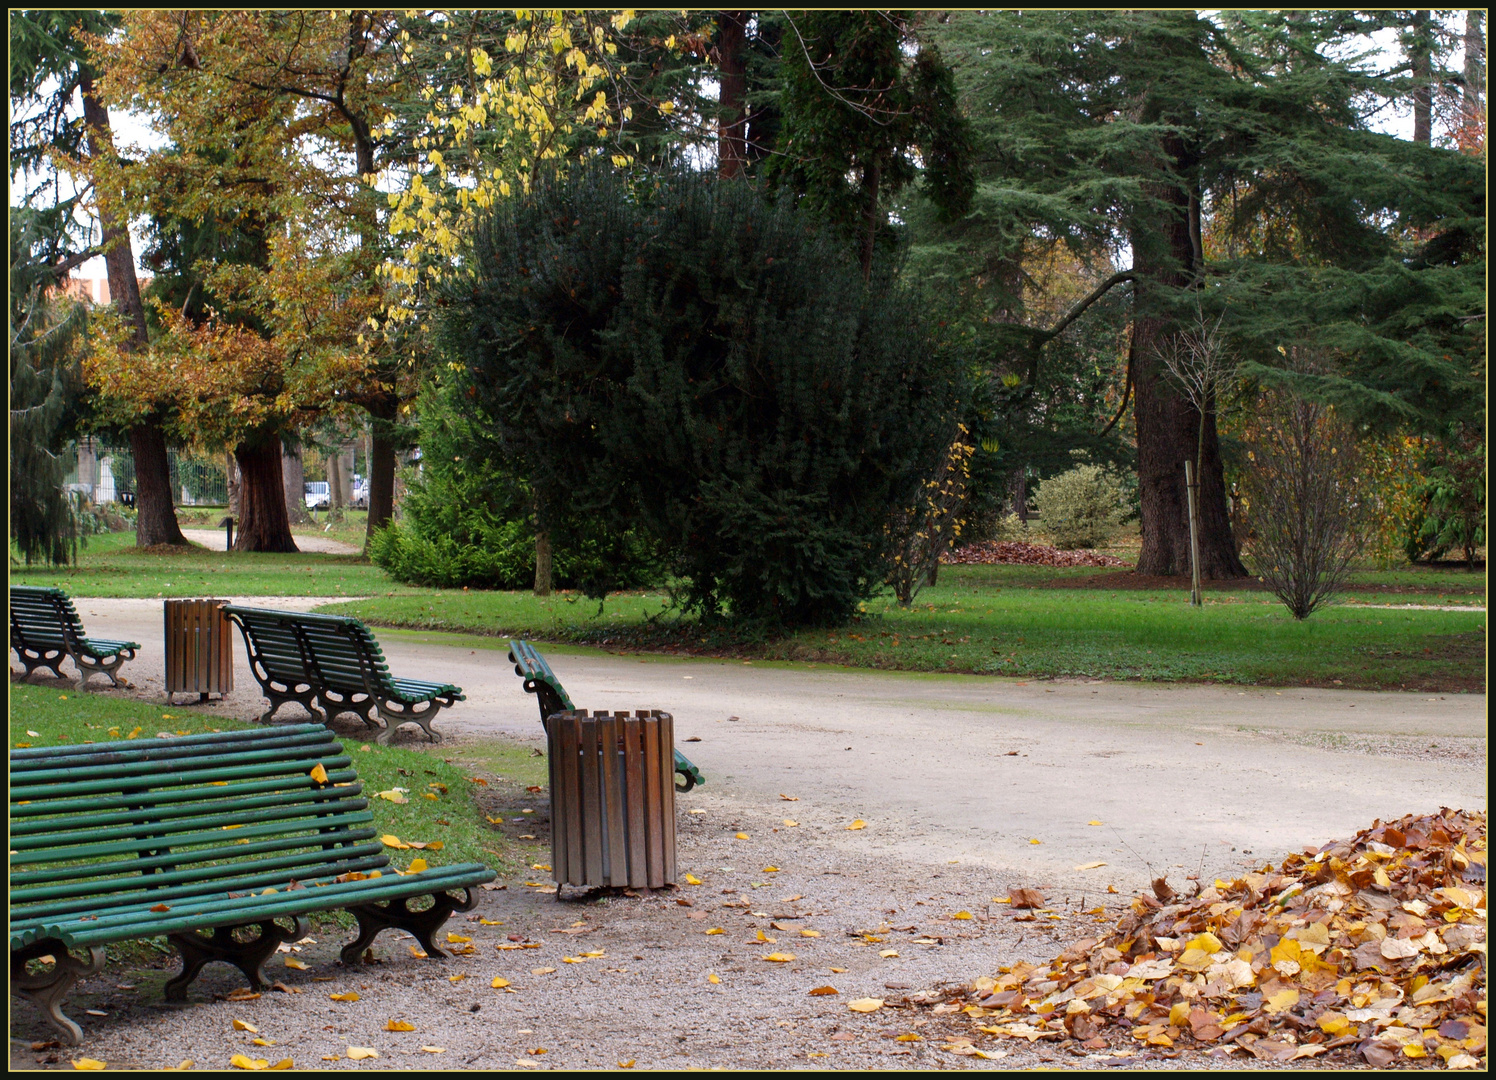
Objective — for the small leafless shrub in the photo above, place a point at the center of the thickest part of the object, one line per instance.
(1304, 514)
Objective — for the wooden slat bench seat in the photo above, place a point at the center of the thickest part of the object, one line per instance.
(194, 838)
(541, 681)
(331, 664)
(45, 630)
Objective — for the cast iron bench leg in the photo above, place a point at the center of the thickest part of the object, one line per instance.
(49, 988)
(394, 714)
(248, 956)
(89, 667)
(422, 925)
(31, 659)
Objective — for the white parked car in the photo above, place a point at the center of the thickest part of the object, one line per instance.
(360, 493)
(318, 495)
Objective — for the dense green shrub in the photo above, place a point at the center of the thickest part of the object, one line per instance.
(1081, 508)
(690, 360)
(467, 520)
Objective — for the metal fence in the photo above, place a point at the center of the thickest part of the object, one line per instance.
(194, 480)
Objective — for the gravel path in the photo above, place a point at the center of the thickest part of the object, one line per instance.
(956, 776)
(216, 540)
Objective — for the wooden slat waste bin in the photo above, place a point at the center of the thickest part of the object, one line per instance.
(199, 649)
(612, 798)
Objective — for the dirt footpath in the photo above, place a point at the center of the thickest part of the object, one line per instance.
(968, 786)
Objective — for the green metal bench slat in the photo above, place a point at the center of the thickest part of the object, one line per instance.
(87, 843)
(235, 912)
(218, 774)
(192, 881)
(289, 735)
(288, 760)
(167, 863)
(37, 810)
(121, 822)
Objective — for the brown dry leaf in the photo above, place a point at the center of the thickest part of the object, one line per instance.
(824, 991)
(789, 798)
(241, 994)
(1026, 898)
(160, 907)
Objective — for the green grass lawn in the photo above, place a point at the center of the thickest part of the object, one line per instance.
(471, 799)
(1025, 621)
(112, 566)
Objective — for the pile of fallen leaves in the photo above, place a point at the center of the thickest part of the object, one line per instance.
(999, 551)
(1373, 946)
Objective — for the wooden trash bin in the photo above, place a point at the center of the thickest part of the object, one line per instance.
(199, 649)
(612, 798)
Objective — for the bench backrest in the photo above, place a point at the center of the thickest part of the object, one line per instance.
(102, 826)
(41, 616)
(334, 651)
(531, 666)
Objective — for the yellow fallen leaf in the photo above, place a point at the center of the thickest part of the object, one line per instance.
(239, 1061)
(359, 1053)
(292, 962)
(134, 733)
(393, 841)
(789, 798)
(495, 820)
(434, 1049)
(240, 1025)
(283, 1063)
(418, 952)
(318, 773)
(542, 971)
(416, 866)
(865, 1005)
(499, 983)
(838, 971)
(911, 1037)
(790, 824)
(824, 991)
(810, 933)
(457, 939)
(1093, 823)
(888, 953)
(713, 979)
(1333, 1023)
(770, 870)
(858, 824)
(186, 1063)
(455, 978)
(490, 922)
(629, 1064)
(780, 957)
(394, 795)
(1414, 1050)
(351, 995)
(1090, 866)
(399, 1025)
(961, 915)
(263, 1042)
(1036, 841)
(742, 836)
(87, 1064)
(428, 795)
(1283, 999)
(692, 879)
(716, 930)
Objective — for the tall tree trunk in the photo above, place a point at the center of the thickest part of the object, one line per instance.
(732, 106)
(336, 495)
(1421, 58)
(1169, 429)
(542, 563)
(293, 478)
(870, 177)
(155, 519)
(1475, 65)
(382, 415)
(263, 524)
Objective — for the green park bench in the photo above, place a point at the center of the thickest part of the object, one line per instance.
(541, 681)
(331, 664)
(194, 838)
(45, 630)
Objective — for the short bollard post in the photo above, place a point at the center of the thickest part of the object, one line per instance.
(228, 529)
